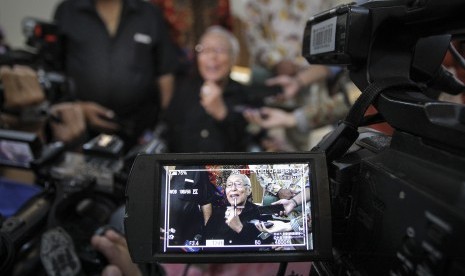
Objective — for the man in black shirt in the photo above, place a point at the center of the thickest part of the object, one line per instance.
(190, 212)
(115, 51)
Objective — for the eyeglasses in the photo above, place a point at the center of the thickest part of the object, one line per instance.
(238, 184)
(200, 49)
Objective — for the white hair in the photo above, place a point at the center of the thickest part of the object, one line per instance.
(245, 179)
(232, 40)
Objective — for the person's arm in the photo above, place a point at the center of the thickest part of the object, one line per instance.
(207, 211)
(313, 74)
(99, 117)
(268, 117)
(299, 198)
(285, 193)
(292, 85)
(166, 86)
(290, 204)
(165, 61)
(278, 226)
(69, 125)
(304, 118)
(330, 111)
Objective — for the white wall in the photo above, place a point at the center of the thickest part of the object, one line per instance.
(13, 11)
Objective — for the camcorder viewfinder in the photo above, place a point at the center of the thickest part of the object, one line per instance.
(178, 207)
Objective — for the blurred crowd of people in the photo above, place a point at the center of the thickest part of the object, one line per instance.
(139, 65)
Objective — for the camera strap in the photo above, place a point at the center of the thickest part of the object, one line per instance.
(340, 140)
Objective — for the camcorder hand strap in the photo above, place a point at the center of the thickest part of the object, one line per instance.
(340, 140)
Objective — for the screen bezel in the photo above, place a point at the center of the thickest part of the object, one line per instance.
(321, 214)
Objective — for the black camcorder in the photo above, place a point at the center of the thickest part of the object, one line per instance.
(43, 53)
(396, 202)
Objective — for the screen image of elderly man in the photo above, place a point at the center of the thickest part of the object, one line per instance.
(234, 224)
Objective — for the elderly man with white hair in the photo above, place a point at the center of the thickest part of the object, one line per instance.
(201, 116)
(234, 225)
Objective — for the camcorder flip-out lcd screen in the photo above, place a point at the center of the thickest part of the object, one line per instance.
(228, 207)
(18, 149)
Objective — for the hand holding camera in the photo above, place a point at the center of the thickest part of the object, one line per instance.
(21, 87)
(99, 117)
(22, 99)
(70, 123)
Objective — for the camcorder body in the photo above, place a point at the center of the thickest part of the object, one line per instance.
(397, 209)
(397, 205)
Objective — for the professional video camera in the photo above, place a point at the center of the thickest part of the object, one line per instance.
(81, 193)
(43, 54)
(397, 205)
